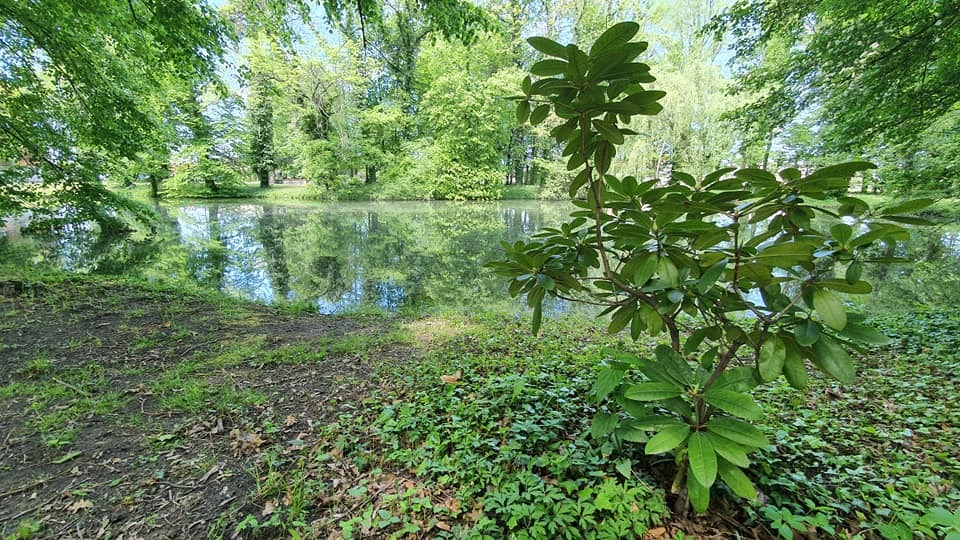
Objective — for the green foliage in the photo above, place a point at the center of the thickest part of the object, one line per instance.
(741, 269)
(203, 178)
(78, 98)
(509, 437)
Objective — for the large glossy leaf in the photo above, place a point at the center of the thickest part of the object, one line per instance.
(548, 46)
(841, 170)
(830, 357)
(794, 370)
(728, 450)
(617, 34)
(830, 309)
(652, 391)
(698, 494)
(738, 482)
(735, 403)
(703, 458)
(772, 355)
(674, 364)
(737, 431)
(806, 332)
(667, 438)
(907, 207)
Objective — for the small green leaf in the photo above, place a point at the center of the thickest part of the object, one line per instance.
(830, 357)
(668, 438)
(603, 424)
(738, 482)
(608, 379)
(830, 308)
(735, 403)
(625, 468)
(646, 270)
(523, 111)
(703, 459)
(854, 271)
(652, 391)
(539, 114)
(806, 332)
(67, 457)
(772, 355)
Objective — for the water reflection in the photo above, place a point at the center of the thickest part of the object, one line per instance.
(388, 256)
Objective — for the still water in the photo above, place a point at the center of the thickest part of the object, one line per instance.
(340, 257)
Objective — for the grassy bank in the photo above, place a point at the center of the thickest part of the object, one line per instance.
(152, 412)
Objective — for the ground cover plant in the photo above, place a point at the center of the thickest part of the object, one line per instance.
(119, 398)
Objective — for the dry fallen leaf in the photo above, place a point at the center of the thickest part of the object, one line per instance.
(246, 442)
(268, 508)
(290, 420)
(82, 504)
(656, 533)
(443, 526)
(451, 379)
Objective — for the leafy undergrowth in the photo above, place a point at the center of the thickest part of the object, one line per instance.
(880, 456)
(270, 424)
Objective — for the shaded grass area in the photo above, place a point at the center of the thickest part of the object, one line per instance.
(147, 411)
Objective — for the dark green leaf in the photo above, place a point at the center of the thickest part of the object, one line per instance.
(830, 357)
(617, 34)
(545, 68)
(864, 334)
(603, 424)
(906, 207)
(807, 332)
(548, 46)
(607, 380)
(698, 494)
(728, 450)
(539, 114)
(842, 170)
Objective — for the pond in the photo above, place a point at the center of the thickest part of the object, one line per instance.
(338, 257)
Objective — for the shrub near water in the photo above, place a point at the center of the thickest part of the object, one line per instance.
(732, 269)
(206, 178)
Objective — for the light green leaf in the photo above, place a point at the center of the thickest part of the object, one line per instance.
(786, 255)
(607, 380)
(698, 494)
(652, 391)
(841, 170)
(737, 431)
(844, 286)
(738, 482)
(728, 450)
(794, 369)
(703, 459)
(735, 403)
(830, 308)
(668, 438)
(772, 355)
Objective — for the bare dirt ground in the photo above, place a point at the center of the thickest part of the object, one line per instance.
(96, 438)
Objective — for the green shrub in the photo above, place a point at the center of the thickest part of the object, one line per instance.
(740, 269)
(205, 178)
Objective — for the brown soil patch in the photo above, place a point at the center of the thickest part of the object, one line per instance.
(158, 463)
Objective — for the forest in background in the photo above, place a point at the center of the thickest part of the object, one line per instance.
(400, 99)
